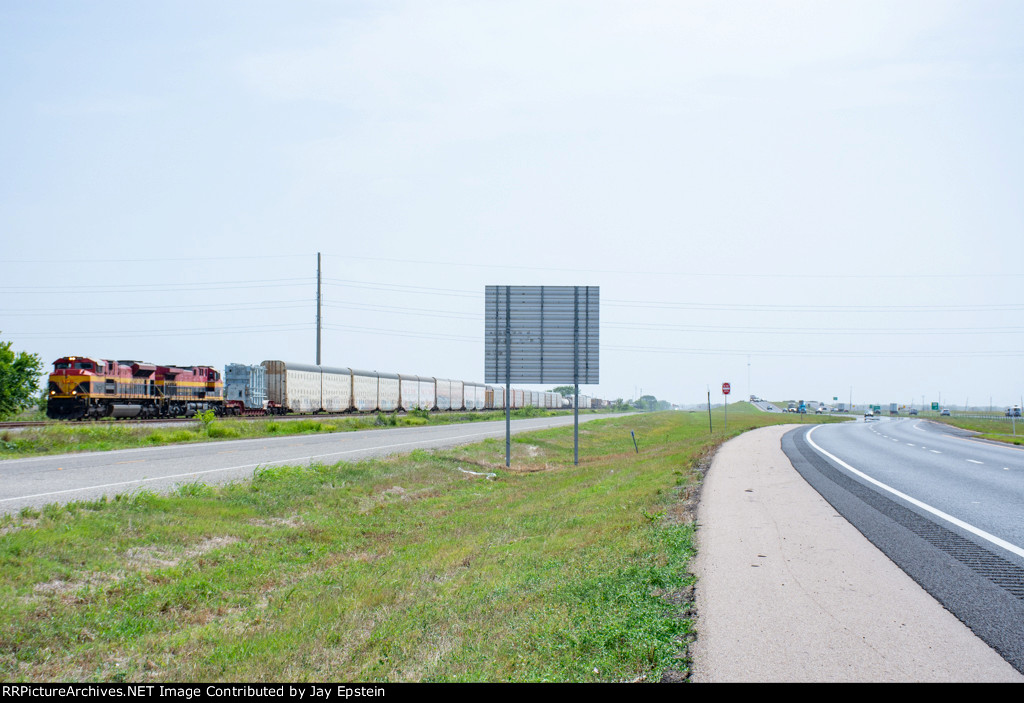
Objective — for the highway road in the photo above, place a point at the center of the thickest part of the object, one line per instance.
(63, 478)
(947, 509)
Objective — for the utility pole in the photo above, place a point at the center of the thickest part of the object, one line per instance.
(318, 303)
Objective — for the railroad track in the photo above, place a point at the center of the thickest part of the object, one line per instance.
(177, 420)
(168, 420)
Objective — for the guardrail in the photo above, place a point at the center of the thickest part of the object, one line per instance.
(985, 416)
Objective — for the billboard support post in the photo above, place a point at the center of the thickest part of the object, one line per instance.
(508, 384)
(576, 377)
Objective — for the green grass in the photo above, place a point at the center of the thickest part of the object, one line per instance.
(405, 569)
(65, 437)
(1000, 430)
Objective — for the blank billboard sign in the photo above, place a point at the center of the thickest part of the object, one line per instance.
(542, 334)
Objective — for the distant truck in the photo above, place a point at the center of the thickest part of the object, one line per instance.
(791, 408)
(1013, 412)
(841, 408)
(802, 408)
(894, 408)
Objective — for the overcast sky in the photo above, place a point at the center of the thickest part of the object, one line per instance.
(800, 198)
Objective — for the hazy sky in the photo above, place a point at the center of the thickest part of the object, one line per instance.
(817, 196)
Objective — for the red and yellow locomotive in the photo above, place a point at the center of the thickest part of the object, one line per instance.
(83, 387)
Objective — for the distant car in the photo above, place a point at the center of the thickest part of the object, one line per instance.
(868, 413)
(913, 411)
(819, 410)
(945, 412)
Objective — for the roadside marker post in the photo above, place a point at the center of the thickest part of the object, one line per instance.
(710, 428)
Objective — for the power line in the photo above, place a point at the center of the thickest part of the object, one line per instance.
(654, 327)
(158, 287)
(406, 333)
(92, 334)
(168, 310)
(552, 269)
(156, 260)
(400, 287)
(747, 307)
(805, 353)
(400, 310)
(684, 274)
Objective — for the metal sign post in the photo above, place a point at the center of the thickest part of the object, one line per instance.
(575, 376)
(726, 389)
(710, 429)
(508, 383)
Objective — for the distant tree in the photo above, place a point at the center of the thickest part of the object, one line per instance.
(646, 402)
(19, 380)
(565, 391)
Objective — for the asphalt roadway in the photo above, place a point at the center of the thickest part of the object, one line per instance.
(63, 478)
(789, 590)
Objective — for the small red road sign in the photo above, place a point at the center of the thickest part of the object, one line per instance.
(726, 388)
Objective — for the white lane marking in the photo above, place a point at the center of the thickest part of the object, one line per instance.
(914, 501)
(5, 463)
(246, 466)
(975, 462)
(935, 451)
(909, 444)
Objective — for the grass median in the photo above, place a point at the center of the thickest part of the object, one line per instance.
(998, 429)
(434, 566)
(106, 435)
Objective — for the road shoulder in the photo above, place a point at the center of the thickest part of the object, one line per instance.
(789, 591)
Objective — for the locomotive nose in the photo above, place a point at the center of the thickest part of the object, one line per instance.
(66, 384)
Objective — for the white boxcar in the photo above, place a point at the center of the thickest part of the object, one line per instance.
(494, 398)
(458, 395)
(417, 392)
(408, 392)
(364, 390)
(474, 395)
(388, 391)
(518, 398)
(295, 387)
(443, 393)
(337, 389)
(428, 392)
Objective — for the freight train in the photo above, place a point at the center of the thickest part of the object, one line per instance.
(84, 387)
